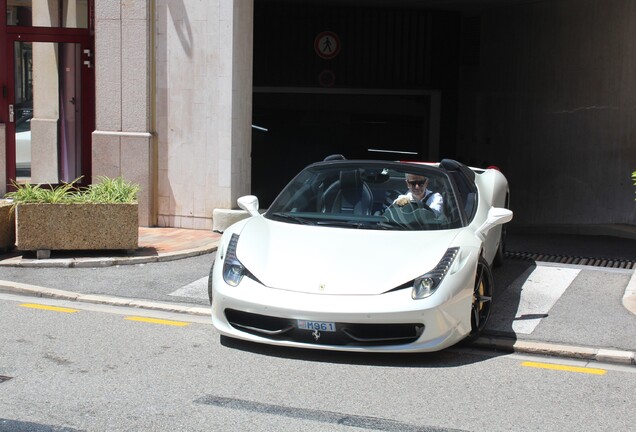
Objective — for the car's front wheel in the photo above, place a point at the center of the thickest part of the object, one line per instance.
(501, 249)
(482, 298)
(210, 283)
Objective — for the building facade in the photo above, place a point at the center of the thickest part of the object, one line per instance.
(201, 102)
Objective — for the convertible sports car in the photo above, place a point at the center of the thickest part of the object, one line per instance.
(338, 263)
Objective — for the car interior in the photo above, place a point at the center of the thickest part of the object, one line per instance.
(334, 193)
(348, 194)
(464, 178)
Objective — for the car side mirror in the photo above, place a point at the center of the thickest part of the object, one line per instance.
(496, 216)
(249, 203)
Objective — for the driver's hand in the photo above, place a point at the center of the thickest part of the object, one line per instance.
(402, 201)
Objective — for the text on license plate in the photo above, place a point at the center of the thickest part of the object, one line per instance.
(317, 325)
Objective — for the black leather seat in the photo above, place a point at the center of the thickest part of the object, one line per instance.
(350, 194)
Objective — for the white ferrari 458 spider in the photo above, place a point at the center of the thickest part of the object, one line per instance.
(364, 256)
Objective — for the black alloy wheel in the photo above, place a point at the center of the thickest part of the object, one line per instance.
(482, 298)
(210, 283)
(501, 250)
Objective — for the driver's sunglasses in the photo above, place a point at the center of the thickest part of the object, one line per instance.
(416, 182)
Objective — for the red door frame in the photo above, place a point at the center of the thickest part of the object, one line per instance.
(84, 37)
(4, 106)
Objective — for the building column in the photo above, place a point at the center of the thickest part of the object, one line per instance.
(123, 142)
(203, 108)
(240, 58)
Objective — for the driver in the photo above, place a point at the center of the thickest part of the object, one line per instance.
(419, 192)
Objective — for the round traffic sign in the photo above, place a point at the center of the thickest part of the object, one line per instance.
(327, 45)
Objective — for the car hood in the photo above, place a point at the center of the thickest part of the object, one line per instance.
(337, 260)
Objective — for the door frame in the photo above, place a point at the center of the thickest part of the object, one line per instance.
(87, 90)
(83, 36)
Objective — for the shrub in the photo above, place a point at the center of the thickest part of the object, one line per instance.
(106, 191)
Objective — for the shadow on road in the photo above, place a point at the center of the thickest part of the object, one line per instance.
(451, 357)
(509, 281)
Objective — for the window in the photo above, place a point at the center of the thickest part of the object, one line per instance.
(67, 14)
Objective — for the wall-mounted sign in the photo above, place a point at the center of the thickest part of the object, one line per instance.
(327, 45)
(327, 78)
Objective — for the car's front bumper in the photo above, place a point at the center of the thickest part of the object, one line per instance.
(390, 322)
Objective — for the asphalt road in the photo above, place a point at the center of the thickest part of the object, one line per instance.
(575, 305)
(153, 281)
(100, 369)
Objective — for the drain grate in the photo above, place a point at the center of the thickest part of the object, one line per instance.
(561, 259)
(4, 378)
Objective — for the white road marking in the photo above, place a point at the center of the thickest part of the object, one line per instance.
(539, 293)
(197, 289)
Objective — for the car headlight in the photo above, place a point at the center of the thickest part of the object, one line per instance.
(425, 285)
(233, 270)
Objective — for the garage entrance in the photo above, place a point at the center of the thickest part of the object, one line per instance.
(365, 82)
(293, 128)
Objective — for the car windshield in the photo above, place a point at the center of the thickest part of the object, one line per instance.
(369, 195)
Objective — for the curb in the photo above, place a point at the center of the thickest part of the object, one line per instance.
(86, 262)
(37, 291)
(601, 355)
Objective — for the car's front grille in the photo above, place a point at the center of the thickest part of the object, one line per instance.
(350, 334)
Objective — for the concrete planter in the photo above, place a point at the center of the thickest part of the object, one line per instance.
(7, 226)
(46, 227)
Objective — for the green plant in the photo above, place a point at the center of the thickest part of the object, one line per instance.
(107, 190)
(28, 193)
(111, 190)
(634, 180)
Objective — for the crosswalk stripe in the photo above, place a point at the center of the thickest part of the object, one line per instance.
(539, 293)
(197, 289)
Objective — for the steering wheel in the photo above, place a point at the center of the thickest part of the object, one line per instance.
(416, 205)
(410, 216)
(390, 196)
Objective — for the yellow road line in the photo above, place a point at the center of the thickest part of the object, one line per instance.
(51, 308)
(586, 370)
(158, 321)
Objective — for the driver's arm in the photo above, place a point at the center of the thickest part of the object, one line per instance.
(436, 203)
(402, 200)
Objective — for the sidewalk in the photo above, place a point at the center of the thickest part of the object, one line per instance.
(155, 245)
(607, 316)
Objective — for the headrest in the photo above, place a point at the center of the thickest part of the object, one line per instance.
(350, 179)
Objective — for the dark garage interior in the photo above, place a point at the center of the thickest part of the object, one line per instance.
(542, 89)
(376, 100)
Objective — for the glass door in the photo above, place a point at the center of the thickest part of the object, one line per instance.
(50, 109)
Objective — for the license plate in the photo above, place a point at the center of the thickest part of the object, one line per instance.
(317, 325)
